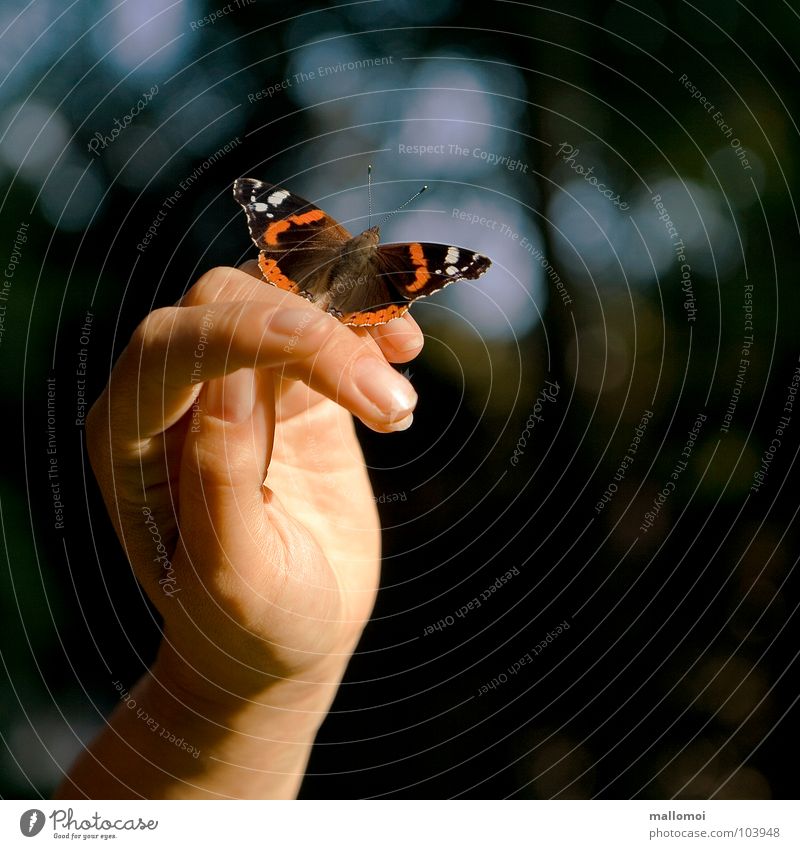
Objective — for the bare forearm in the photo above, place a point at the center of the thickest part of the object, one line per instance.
(160, 745)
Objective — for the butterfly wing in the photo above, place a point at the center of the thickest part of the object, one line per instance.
(300, 249)
(298, 242)
(419, 269)
(403, 273)
(366, 300)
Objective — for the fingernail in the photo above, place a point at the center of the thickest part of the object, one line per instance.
(232, 398)
(405, 342)
(403, 424)
(391, 393)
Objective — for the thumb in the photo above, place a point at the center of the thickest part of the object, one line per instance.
(225, 460)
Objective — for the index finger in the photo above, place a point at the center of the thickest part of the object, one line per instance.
(176, 349)
(400, 340)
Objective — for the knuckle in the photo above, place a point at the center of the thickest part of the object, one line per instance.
(150, 329)
(208, 287)
(221, 283)
(149, 325)
(231, 321)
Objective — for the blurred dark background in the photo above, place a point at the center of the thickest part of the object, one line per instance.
(677, 675)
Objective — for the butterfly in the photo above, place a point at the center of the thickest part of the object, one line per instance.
(355, 278)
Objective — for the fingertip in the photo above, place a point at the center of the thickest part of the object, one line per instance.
(393, 427)
(390, 395)
(410, 321)
(400, 339)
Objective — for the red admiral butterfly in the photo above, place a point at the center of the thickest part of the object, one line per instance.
(303, 250)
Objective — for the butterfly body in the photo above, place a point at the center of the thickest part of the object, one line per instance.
(355, 278)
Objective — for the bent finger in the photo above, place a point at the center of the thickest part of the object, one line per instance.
(176, 349)
(400, 340)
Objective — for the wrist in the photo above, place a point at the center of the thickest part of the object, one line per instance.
(298, 704)
(193, 740)
(174, 739)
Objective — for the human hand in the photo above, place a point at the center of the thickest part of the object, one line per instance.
(255, 583)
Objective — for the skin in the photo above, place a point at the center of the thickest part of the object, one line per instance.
(256, 485)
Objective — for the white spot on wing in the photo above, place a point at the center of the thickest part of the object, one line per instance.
(277, 198)
(452, 255)
(451, 269)
(260, 207)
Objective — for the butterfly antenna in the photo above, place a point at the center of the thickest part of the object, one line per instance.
(412, 198)
(369, 194)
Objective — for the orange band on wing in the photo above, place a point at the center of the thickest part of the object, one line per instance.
(277, 227)
(377, 316)
(270, 270)
(422, 275)
(307, 217)
(274, 229)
